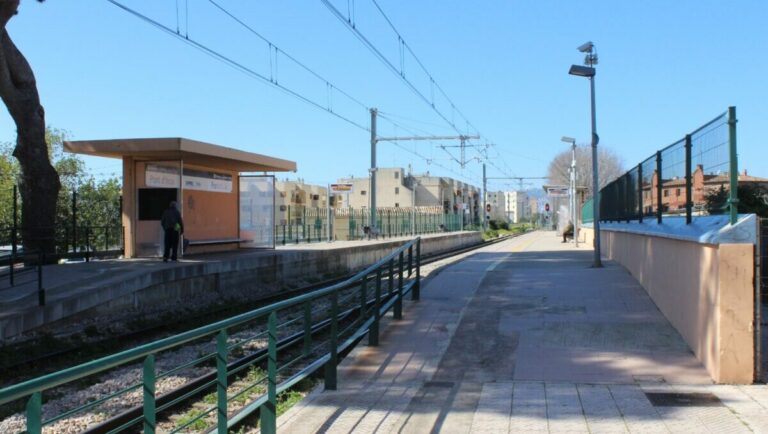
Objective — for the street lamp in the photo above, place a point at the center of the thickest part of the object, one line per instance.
(574, 214)
(589, 72)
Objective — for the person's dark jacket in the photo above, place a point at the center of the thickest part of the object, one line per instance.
(170, 218)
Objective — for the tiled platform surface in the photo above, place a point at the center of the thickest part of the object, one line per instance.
(524, 337)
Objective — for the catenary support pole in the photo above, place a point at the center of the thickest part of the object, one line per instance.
(373, 169)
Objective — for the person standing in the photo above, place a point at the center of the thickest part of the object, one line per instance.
(173, 226)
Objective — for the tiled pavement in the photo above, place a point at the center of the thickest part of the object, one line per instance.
(523, 337)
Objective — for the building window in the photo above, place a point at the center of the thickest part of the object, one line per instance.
(362, 192)
(666, 193)
(677, 193)
(397, 205)
(282, 194)
(397, 175)
(397, 189)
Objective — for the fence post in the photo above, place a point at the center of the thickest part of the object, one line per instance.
(221, 382)
(416, 294)
(15, 227)
(106, 238)
(307, 328)
(391, 275)
(658, 187)
(40, 290)
(34, 413)
(87, 244)
(688, 180)
(410, 260)
(373, 332)
(398, 313)
(149, 394)
(641, 192)
(74, 221)
(269, 409)
(331, 364)
(363, 298)
(627, 202)
(733, 171)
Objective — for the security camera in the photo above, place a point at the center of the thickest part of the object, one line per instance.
(586, 47)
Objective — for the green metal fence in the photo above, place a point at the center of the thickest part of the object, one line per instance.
(677, 179)
(306, 225)
(323, 324)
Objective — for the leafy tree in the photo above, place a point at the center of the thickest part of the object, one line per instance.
(753, 199)
(98, 201)
(38, 181)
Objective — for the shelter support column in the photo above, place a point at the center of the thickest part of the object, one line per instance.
(129, 206)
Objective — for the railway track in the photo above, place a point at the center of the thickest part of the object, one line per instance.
(185, 396)
(146, 334)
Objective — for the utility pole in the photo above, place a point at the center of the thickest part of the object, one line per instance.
(575, 216)
(373, 170)
(485, 194)
(375, 139)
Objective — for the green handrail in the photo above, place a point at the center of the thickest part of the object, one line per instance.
(35, 387)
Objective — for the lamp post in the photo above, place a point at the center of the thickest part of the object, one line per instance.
(589, 71)
(574, 213)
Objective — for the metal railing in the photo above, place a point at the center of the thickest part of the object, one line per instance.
(365, 293)
(677, 179)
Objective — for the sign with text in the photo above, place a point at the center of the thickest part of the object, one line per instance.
(342, 188)
(168, 177)
(557, 191)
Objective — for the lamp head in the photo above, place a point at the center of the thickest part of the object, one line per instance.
(582, 71)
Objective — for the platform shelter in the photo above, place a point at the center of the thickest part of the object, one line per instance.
(223, 206)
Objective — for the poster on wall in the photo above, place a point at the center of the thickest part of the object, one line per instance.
(161, 176)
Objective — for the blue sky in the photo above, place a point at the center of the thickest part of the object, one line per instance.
(665, 68)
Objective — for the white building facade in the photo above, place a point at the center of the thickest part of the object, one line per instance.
(517, 206)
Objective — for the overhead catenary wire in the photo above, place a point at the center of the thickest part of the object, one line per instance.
(399, 72)
(331, 88)
(233, 63)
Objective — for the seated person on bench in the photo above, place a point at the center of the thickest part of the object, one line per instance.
(568, 231)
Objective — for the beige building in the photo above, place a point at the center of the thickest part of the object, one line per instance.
(397, 189)
(518, 206)
(293, 196)
(497, 201)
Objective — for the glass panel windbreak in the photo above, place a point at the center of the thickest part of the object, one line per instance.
(710, 160)
(649, 186)
(257, 211)
(673, 178)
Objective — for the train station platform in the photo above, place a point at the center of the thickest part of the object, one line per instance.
(99, 288)
(524, 337)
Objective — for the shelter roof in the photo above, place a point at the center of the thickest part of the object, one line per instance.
(178, 148)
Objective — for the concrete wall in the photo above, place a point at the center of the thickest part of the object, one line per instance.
(197, 285)
(705, 290)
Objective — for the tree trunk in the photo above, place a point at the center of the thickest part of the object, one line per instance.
(39, 184)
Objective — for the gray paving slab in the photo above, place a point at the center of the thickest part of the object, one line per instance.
(525, 337)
